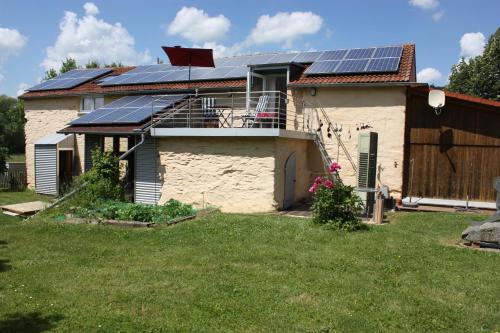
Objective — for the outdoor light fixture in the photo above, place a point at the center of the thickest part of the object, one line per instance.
(312, 91)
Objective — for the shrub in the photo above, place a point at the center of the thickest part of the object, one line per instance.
(102, 182)
(335, 205)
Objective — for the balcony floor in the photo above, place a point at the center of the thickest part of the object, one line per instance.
(230, 132)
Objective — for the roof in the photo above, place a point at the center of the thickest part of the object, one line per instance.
(459, 97)
(116, 129)
(51, 139)
(406, 74)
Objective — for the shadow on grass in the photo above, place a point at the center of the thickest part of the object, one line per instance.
(5, 266)
(29, 322)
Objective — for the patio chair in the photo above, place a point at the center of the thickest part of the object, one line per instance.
(209, 112)
(260, 113)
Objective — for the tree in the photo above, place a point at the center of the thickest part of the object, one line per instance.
(92, 64)
(50, 74)
(479, 76)
(114, 64)
(68, 65)
(461, 77)
(11, 128)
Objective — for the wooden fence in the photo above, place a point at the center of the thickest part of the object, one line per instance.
(14, 179)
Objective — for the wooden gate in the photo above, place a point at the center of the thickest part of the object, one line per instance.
(456, 154)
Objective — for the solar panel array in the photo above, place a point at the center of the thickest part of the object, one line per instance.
(369, 60)
(70, 79)
(128, 110)
(374, 59)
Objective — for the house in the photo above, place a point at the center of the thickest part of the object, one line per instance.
(247, 136)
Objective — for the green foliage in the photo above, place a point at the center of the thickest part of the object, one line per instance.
(50, 74)
(114, 64)
(102, 182)
(337, 207)
(11, 128)
(92, 64)
(67, 65)
(116, 210)
(479, 76)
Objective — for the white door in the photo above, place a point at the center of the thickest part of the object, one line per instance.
(289, 181)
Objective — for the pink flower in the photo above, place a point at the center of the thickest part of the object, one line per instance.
(328, 183)
(334, 167)
(318, 180)
(313, 188)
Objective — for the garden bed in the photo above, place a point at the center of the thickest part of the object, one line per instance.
(129, 214)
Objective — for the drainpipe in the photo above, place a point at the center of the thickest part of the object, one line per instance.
(143, 138)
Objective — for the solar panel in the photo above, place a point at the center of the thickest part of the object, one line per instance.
(351, 66)
(259, 59)
(383, 65)
(322, 67)
(332, 55)
(282, 58)
(360, 53)
(129, 109)
(388, 52)
(70, 79)
(307, 57)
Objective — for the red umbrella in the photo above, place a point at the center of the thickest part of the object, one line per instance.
(185, 56)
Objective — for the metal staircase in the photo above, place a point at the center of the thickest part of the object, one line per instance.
(320, 115)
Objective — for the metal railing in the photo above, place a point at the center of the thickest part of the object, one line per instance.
(259, 109)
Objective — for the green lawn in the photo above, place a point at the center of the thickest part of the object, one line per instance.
(16, 158)
(246, 273)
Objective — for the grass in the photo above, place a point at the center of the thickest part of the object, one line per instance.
(246, 273)
(16, 158)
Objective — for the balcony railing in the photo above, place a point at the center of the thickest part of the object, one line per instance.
(259, 109)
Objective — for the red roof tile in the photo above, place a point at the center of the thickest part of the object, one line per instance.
(406, 73)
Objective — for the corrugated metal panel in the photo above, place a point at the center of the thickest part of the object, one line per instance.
(147, 182)
(46, 169)
(91, 141)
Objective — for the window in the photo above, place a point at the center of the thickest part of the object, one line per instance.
(90, 103)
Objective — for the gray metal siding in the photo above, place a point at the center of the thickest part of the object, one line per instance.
(147, 181)
(46, 169)
(91, 141)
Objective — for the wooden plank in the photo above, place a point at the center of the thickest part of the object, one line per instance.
(25, 208)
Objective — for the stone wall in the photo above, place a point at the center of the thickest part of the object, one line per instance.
(383, 108)
(235, 174)
(45, 117)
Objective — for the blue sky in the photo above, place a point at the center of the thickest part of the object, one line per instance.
(36, 35)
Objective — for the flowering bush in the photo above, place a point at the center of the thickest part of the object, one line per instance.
(335, 204)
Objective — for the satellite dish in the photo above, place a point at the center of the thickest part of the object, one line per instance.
(436, 100)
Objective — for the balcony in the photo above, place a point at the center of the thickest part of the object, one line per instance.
(257, 113)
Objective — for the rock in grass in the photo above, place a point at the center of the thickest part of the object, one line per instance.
(488, 232)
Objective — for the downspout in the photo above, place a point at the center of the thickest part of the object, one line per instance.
(125, 154)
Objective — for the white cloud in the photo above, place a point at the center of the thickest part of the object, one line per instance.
(195, 25)
(89, 38)
(284, 28)
(221, 50)
(22, 88)
(424, 4)
(437, 16)
(11, 43)
(472, 44)
(429, 75)
(90, 8)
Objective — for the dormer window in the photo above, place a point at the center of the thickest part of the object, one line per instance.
(90, 103)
